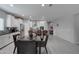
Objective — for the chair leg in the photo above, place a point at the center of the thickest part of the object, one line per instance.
(46, 50)
(36, 49)
(14, 50)
(39, 49)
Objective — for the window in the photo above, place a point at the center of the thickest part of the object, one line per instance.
(1, 24)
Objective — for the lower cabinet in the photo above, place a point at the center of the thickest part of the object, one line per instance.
(6, 44)
(8, 49)
(5, 39)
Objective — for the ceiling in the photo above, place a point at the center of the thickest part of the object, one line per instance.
(36, 11)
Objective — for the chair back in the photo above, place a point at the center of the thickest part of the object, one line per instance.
(46, 39)
(45, 32)
(15, 38)
(38, 33)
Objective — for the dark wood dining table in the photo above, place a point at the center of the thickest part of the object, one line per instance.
(35, 39)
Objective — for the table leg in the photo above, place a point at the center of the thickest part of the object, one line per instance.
(40, 48)
(36, 48)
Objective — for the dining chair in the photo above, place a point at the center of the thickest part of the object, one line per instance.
(43, 43)
(15, 39)
(38, 33)
(26, 47)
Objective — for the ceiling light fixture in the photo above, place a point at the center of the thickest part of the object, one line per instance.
(11, 5)
(23, 15)
(30, 16)
(42, 4)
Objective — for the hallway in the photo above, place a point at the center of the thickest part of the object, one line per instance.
(57, 45)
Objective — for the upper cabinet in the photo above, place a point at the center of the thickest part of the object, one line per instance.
(9, 20)
(13, 21)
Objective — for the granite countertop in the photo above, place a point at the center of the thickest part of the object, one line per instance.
(5, 32)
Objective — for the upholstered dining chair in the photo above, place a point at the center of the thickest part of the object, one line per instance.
(43, 43)
(15, 39)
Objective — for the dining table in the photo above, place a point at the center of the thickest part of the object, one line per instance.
(34, 39)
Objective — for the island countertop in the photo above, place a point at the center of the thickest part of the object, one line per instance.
(6, 32)
(6, 39)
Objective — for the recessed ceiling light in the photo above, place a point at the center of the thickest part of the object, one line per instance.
(30, 16)
(42, 4)
(11, 5)
(22, 15)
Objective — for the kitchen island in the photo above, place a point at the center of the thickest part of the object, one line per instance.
(6, 39)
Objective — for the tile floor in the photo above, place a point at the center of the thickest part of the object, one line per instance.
(55, 45)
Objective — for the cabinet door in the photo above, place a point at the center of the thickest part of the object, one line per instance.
(8, 21)
(13, 22)
(8, 49)
(4, 40)
(1, 41)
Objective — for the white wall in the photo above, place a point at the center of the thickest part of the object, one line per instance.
(76, 27)
(65, 29)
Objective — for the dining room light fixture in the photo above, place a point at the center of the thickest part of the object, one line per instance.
(11, 5)
(43, 5)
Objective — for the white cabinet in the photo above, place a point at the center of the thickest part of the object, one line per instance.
(8, 50)
(10, 21)
(20, 21)
(6, 39)
(13, 22)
